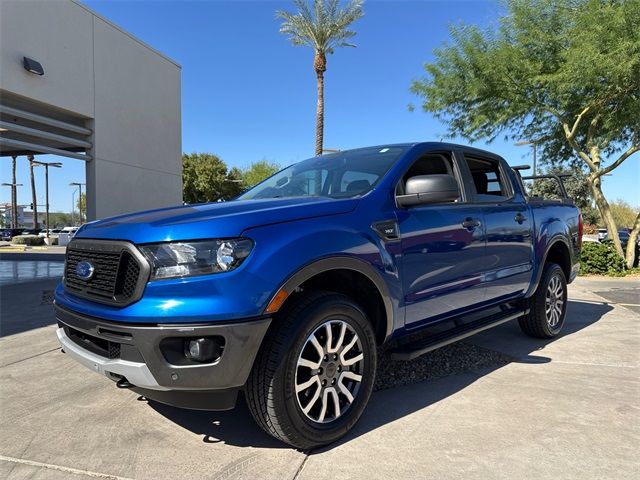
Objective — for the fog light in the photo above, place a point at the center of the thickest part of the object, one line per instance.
(202, 349)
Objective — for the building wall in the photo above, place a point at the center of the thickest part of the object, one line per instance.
(59, 35)
(126, 92)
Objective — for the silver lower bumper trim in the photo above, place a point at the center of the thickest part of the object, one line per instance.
(136, 373)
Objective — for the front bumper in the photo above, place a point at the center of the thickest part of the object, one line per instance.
(138, 353)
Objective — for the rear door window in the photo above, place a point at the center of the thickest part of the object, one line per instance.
(488, 180)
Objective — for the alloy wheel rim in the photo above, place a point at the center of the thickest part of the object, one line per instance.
(329, 371)
(554, 302)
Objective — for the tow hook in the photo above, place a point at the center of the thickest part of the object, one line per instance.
(124, 383)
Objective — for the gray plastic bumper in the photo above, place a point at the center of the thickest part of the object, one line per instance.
(136, 373)
(139, 351)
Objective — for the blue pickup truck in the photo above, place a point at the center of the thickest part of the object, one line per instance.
(288, 292)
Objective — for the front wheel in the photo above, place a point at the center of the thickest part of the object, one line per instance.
(548, 305)
(315, 371)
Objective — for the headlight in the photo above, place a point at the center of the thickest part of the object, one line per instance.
(182, 259)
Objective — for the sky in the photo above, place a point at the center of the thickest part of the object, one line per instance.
(249, 95)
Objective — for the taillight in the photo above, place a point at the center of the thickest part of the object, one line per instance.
(580, 230)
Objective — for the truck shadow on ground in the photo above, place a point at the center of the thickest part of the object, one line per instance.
(456, 366)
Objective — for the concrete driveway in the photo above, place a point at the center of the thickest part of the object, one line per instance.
(513, 407)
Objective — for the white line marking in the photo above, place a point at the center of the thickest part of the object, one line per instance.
(75, 471)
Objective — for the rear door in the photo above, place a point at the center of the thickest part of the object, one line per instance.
(443, 247)
(508, 226)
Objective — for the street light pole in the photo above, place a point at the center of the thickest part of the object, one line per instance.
(79, 185)
(46, 166)
(14, 204)
(73, 206)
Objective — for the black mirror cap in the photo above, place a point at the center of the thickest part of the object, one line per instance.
(425, 189)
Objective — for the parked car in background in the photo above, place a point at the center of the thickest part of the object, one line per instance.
(587, 238)
(70, 230)
(8, 233)
(32, 231)
(51, 231)
(602, 232)
(624, 236)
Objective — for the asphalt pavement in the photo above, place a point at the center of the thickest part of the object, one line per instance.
(499, 406)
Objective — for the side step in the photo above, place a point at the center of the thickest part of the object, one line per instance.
(433, 342)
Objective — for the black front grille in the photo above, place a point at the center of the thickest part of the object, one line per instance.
(116, 276)
(99, 346)
(129, 280)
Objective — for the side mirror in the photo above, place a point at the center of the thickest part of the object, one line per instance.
(424, 189)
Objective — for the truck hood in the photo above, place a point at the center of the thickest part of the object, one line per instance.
(211, 220)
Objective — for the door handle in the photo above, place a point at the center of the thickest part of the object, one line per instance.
(520, 218)
(470, 223)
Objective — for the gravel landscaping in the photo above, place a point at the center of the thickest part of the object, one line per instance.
(450, 360)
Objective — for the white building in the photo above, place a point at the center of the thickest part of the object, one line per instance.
(76, 85)
(25, 219)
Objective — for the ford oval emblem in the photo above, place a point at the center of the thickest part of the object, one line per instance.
(84, 270)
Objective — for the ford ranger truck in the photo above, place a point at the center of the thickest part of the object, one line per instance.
(287, 292)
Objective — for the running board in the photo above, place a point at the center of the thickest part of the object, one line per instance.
(414, 350)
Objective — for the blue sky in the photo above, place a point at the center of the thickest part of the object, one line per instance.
(248, 94)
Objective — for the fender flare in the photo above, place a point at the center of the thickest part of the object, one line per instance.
(341, 263)
(554, 241)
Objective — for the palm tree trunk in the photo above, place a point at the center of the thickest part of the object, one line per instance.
(320, 66)
(33, 193)
(320, 112)
(14, 194)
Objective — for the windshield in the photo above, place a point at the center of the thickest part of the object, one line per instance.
(338, 175)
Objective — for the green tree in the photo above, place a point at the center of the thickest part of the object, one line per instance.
(257, 172)
(623, 213)
(60, 219)
(205, 178)
(81, 205)
(323, 26)
(563, 73)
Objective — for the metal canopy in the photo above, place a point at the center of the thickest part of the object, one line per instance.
(33, 129)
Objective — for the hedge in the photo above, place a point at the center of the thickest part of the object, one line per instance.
(601, 259)
(33, 240)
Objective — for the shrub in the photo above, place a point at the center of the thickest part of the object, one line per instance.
(32, 240)
(601, 259)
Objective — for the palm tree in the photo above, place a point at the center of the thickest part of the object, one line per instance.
(323, 27)
(33, 193)
(14, 194)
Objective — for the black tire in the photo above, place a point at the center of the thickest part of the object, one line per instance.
(271, 388)
(541, 321)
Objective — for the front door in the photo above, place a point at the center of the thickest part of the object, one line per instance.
(443, 247)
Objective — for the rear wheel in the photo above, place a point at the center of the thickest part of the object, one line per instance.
(548, 305)
(315, 371)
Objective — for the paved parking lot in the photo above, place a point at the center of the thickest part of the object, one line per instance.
(500, 406)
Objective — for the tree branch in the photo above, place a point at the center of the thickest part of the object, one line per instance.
(632, 149)
(578, 150)
(591, 130)
(571, 133)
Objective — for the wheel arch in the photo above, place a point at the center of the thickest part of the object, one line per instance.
(323, 273)
(557, 251)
